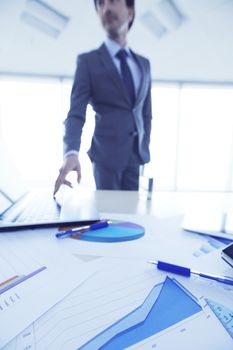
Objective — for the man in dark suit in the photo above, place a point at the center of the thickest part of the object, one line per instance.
(117, 83)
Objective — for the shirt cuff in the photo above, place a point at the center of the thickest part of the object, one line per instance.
(71, 153)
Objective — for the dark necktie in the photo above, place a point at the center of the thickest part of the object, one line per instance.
(126, 74)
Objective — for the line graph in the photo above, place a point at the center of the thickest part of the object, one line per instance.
(158, 312)
(130, 302)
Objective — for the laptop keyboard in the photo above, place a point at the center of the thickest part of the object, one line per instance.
(40, 210)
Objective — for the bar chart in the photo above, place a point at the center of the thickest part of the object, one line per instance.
(20, 272)
(15, 280)
(33, 277)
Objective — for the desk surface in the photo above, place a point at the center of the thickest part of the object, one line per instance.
(161, 203)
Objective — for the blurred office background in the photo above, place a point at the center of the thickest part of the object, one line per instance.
(189, 44)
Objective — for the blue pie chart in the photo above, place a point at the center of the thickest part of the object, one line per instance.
(117, 231)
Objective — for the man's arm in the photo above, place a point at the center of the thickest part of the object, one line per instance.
(74, 122)
(147, 112)
(80, 96)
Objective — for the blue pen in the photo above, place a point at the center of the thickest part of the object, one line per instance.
(185, 271)
(82, 229)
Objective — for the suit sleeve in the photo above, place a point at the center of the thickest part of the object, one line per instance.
(147, 111)
(80, 96)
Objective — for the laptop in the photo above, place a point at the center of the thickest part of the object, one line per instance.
(21, 208)
(210, 222)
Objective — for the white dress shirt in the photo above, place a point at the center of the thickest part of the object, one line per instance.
(113, 49)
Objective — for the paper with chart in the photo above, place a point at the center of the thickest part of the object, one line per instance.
(34, 275)
(133, 306)
(162, 240)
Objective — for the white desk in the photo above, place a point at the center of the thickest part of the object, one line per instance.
(162, 215)
(161, 203)
(166, 210)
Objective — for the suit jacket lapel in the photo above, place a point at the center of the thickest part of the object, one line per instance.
(141, 90)
(112, 71)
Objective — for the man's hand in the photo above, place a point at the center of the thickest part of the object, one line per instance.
(71, 163)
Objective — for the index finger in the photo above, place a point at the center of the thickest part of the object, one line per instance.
(59, 181)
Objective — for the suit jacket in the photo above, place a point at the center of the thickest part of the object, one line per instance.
(98, 82)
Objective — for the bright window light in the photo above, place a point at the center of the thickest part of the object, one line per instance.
(32, 128)
(205, 138)
(164, 135)
(191, 140)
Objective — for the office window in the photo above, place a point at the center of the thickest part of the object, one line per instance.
(32, 114)
(31, 127)
(165, 103)
(204, 159)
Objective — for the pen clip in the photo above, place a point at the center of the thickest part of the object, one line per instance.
(81, 230)
(70, 232)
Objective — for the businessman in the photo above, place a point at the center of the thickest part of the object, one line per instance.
(117, 83)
